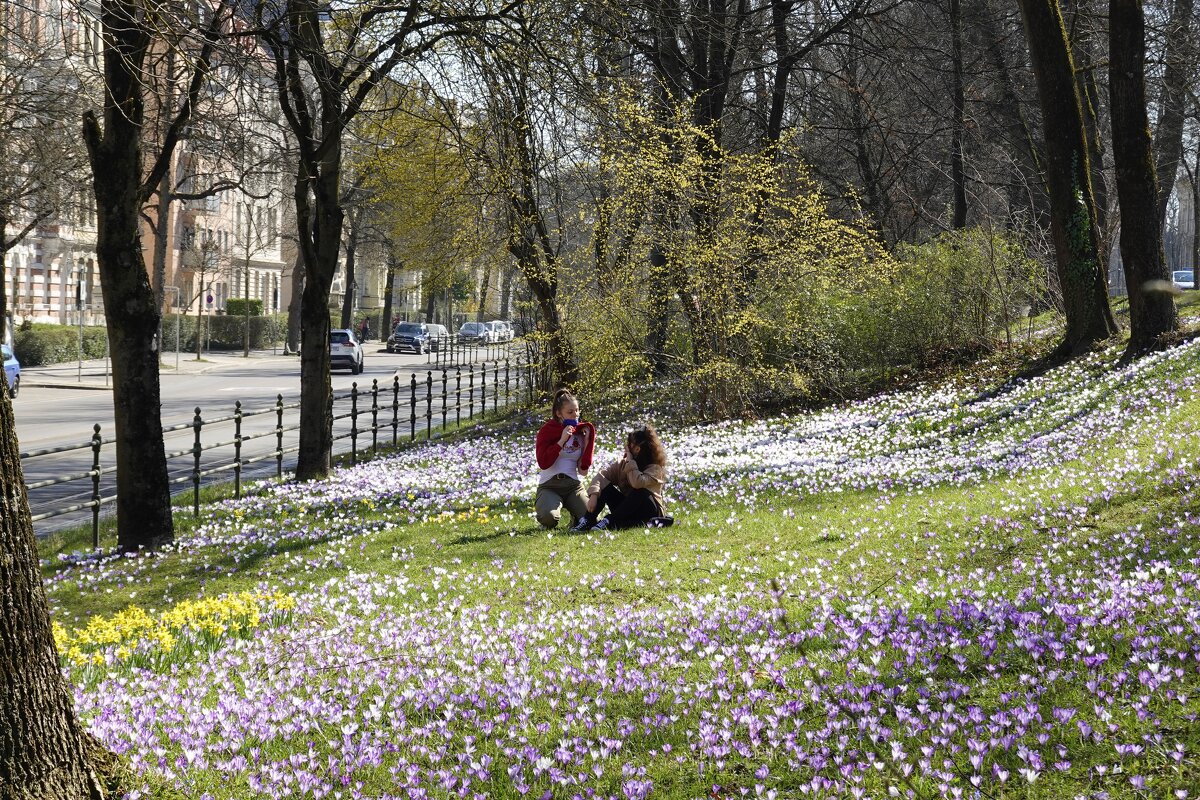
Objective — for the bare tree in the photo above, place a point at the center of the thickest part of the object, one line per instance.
(1151, 312)
(125, 175)
(1073, 215)
(45, 84)
(328, 62)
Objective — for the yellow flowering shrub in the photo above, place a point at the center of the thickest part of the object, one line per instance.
(135, 631)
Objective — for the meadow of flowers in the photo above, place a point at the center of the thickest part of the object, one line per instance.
(945, 592)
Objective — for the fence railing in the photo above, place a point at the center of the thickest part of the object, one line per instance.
(246, 439)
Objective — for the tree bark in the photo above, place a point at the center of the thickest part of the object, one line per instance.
(1151, 311)
(1168, 136)
(42, 748)
(132, 314)
(389, 295)
(958, 105)
(322, 220)
(1073, 218)
(351, 278)
(294, 303)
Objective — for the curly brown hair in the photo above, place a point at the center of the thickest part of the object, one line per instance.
(651, 451)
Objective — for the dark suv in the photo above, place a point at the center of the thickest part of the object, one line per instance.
(414, 336)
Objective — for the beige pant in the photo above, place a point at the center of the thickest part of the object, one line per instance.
(561, 490)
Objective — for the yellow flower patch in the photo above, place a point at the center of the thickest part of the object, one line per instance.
(198, 622)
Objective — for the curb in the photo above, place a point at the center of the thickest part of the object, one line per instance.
(55, 385)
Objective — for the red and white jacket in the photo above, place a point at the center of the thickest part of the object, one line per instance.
(548, 449)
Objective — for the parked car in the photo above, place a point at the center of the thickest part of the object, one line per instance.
(345, 352)
(1184, 278)
(474, 333)
(510, 331)
(500, 331)
(12, 370)
(438, 335)
(415, 336)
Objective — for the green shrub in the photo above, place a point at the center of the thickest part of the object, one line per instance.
(236, 307)
(223, 332)
(42, 344)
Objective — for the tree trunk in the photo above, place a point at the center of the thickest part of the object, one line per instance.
(322, 220)
(484, 286)
(1168, 137)
(294, 304)
(389, 294)
(3, 277)
(132, 315)
(430, 304)
(958, 172)
(42, 749)
(1151, 313)
(1073, 218)
(351, 279)
(1089, 97)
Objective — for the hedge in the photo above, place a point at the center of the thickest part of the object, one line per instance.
(224, 332)
(236, 307)
(42, 344)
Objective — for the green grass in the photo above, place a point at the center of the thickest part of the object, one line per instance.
(882, 546)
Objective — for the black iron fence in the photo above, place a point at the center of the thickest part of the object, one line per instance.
(255, 443)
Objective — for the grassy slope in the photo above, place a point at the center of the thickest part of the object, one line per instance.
(869, 546)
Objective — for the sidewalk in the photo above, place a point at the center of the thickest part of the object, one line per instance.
(96, 373)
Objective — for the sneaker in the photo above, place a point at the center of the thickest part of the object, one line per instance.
(601, 525)
(661, 522)
(582, 524)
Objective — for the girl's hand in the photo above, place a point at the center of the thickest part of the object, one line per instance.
(591, 503)
(566, 434)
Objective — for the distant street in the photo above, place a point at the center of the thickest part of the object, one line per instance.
(54, 410)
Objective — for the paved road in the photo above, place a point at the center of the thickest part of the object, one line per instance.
(55, 410)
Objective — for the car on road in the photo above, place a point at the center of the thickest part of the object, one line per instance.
(12, 370)
(474, 333)
(344, 351)
(419, 337)
(500, 331)
(1184, 279)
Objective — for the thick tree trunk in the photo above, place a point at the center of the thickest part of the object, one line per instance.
(1151, 313)
(1073, 220)
(42, 752)
(131, 312)
(1168, 136)
(484, 287)
(958, 105)
(430, 305)
(322, 220)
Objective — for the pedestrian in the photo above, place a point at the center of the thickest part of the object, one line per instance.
(364, 330)
(563, 448)
(630, 487)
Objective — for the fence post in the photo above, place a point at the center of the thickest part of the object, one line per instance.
(395, 408)
(96, 442)
(458, 395)
(483, 389)
(471, 391)
(237, 449)
(428, 404)
(444, 397)
(354, 423)
(412, 401)
(279, 436)
(507, 385)
(495, 386)
(197, 423)
(375, 416)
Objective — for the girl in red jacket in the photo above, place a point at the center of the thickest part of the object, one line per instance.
(564, 453)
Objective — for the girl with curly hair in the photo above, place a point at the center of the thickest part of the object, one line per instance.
(630, 487)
